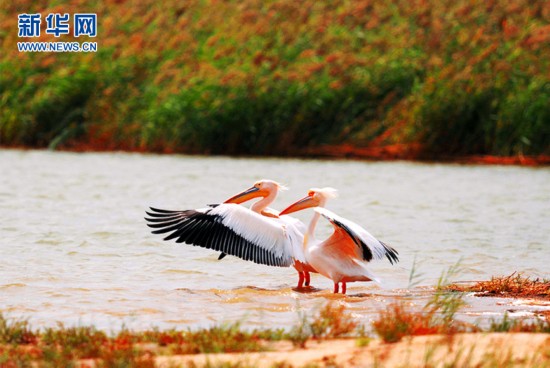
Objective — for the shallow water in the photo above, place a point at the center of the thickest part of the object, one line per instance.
(74, 246)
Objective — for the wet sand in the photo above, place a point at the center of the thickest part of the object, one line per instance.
(462, 350)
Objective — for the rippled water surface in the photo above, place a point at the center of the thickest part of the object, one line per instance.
(74, 246)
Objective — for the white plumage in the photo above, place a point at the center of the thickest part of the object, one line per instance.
(256, 234)
(359, 235)
(276, 235)
(343, 256)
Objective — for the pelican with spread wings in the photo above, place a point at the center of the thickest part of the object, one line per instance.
(257, 234)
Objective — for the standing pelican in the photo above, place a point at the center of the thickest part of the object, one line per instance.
(343, 256)
(258, 234)
(268, 190)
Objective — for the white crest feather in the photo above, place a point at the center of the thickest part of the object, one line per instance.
(283, 187)
(278, 185)
(327, 192)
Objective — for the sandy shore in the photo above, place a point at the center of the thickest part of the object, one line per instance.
(460, 350)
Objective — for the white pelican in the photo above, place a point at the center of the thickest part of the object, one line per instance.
(343, 256)
(257, 235)
(268, 189)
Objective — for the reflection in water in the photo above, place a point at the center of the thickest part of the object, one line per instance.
(75, 247)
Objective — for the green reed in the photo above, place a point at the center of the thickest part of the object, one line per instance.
(277, 77)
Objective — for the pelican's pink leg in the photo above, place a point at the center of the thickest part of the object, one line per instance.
(306, 274)
(343, 287)
(335, 288)
(300, 279)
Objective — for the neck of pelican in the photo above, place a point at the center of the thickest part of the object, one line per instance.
(310, 235)
(264, 202)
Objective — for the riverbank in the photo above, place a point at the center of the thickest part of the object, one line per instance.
(332, 337)
(413, 152)
(397, 152)
(88, 348)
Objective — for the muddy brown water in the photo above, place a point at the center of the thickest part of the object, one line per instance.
(75, 249)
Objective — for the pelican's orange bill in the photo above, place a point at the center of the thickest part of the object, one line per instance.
(301, 204)
(247, 195)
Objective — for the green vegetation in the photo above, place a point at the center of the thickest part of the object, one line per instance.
(217, 339)
(15, 332)
(279, 77)
(22, 347)
(506, 324)
(438, 315)
(332, 321)
(62, 346)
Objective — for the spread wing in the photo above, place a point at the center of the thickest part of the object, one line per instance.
(230, 229)
(367, 246)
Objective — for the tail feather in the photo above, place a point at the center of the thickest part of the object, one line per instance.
(367, 272)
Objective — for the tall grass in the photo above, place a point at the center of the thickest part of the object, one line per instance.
(276, 77)
(438, 316)
(15, 332)
(507, 324)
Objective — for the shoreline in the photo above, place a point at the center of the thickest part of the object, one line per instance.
(400, 336)
(467, 349)
(414, 153)
(388, 153)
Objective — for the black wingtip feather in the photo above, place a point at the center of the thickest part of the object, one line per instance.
(391, 253)
(199, 228)
(158, 210)
(367, 253)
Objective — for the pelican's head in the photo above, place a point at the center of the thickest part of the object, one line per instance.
(261, 188)
(316, 197)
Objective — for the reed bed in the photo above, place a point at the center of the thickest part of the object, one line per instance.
(281, 77)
